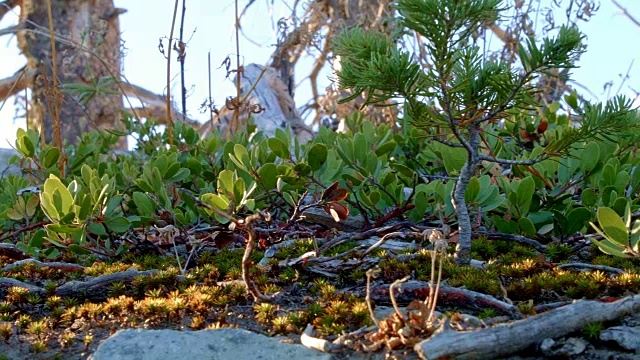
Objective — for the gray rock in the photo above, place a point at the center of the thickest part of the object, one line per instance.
(563, 347)
(219, 344)
(626, 336)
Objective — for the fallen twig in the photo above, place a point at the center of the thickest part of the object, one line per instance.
(450, 296)
(361, 235)
(93, 289)
(505, 339)
(592, 267)
(382, 241)
(511, 237)
(38, 263)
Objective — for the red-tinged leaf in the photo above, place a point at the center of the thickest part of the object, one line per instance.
(334, 193)
(336, 210)
(543, 127)
(608, 299)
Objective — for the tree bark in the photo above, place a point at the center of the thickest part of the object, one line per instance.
(87, 38)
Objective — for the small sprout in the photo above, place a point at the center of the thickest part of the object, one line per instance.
(57, 313)
(50, 288)
(5, 306)
(70, 302)
(265, 312)
(281, 324)
(197, 322)
(271, 288)
(53, 302)
(87, 340)
(39, 346)
(592, 330)
(327, 291)
(66, 339)
(5, 316)
(6, 330)
(360, 311)
(116, 289)
(338, 309)
(487, 313)
(23, 321)
(527, 308)
(297, 319)
(16, 294)
(154, 293)
(37, 328)
(289, 275)
(314, 310)
(34, 299)
(558, 252)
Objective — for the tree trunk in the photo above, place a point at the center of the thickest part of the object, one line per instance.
(87, 49)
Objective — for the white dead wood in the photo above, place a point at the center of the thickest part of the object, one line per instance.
(263, 89)
(54, 265)
(307, 339)
(504, 339)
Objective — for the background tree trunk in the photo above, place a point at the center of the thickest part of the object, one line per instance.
(93, 24)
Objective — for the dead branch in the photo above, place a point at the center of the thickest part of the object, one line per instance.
(6, 6)
(6, 282)
(380, 242)
(361, 235)
(11, 251)
(626, 13)
(95, 288)
(16, 83)
(52, 265)
(449, 296)
(155, 105)
(511, 237)
(505, 339)
(592, 267)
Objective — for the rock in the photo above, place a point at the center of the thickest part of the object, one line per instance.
(563, 347)
(626, 336)
(219, 344)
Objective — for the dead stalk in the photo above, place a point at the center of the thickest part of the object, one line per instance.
(233, 127)
(395, 284)
(371, 273)
(439, 247)
(55, 116)
(169, 120)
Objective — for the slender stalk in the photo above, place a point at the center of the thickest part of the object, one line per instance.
(55, 117)
(236, 111)
(183, 88)
(169, 120)
(210, 98)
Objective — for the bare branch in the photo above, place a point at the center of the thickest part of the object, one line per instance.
(154, 104)
(626, 13)
(511, 237)
(11, 29)
(511, 162)
(16, 83)
(6, 6)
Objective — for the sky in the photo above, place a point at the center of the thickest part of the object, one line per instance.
(613, 52)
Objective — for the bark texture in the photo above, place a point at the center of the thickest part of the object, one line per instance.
(82, 27)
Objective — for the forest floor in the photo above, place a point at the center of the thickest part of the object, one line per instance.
(65, 309)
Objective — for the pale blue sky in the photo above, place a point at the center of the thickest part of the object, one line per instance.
(613, 44)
